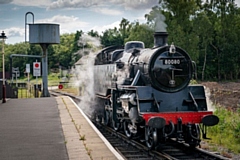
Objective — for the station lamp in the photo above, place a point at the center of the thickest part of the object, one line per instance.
(3, 37)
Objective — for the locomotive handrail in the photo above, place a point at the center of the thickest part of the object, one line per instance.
(194, 69)
(136, 78)
(155, 100)
(194, 101)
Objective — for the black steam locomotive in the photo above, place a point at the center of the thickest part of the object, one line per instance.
(146, 92)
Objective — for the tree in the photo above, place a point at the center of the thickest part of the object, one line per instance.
(116, 36)
(63, 51)
(76, 47)
(204, 29)
(19, 48)
(111, 37)
(141, 32)
(125, 28)
(93, 33)
(178, 18)
(224, 17)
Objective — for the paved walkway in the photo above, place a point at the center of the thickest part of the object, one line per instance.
(82, 138)
(49, 129)
(30, 129)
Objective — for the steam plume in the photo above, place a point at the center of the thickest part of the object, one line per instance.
(83, 72)
(160, 25)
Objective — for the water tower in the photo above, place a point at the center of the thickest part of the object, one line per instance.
(44, 34)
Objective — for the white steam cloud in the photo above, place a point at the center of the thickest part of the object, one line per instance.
(209, 102)
(160, 25)
(84, 75)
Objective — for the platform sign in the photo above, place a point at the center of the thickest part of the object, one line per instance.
(36, 69)
(60, 86)
(28, 68)
(15, 72)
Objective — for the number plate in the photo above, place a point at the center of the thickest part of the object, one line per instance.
(171, 61)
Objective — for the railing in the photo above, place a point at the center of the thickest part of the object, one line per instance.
(31, 90)
(26, 90)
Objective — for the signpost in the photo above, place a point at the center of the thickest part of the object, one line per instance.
(36, 69)
(28, 68)
(15, 73)
(36, 73)
(28, 71)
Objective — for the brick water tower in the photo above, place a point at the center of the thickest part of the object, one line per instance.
(44, 34)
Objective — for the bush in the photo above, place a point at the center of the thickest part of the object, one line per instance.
(227, 132)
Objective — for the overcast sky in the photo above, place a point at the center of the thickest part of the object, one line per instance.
(72, 15)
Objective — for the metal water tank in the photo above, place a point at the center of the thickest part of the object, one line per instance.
(44, 33)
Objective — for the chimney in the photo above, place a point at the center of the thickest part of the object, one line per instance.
(160, 39)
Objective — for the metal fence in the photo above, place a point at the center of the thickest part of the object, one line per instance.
(26, 90)
(11, 92)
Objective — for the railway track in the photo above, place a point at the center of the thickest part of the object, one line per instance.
(131, 149)
(170, 150)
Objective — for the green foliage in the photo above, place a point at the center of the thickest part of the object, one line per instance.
(116, 36)
(141, 32)
(63, 51)
(227, 132)
(93, 33)
(208, 30)
(111, 37)
(19, 48)
(193, 81)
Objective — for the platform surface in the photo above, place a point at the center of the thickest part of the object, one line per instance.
(49, 128)
(31, 129)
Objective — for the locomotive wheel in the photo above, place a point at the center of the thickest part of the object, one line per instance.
(105, 119)
(151, 137)
(116, 125)
(197, 132)
(127, 131)
(194, 142)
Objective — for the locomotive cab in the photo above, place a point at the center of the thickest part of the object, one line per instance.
(133, 45)
(116, 55)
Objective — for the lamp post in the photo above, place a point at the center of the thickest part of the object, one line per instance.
(3, 37)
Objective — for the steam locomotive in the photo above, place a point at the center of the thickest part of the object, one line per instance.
(146, 93)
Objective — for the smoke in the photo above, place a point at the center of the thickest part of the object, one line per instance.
(209, 102)
(83, 78)
(93, 41)
(121, 74)
(160, 25)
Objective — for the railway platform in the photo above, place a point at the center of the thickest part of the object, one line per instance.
(51, 128)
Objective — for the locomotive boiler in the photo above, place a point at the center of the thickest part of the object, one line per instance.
(146, 93)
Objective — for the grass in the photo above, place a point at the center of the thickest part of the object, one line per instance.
(53, 80)
(227, 132)
(82, 138)
(71, 90)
